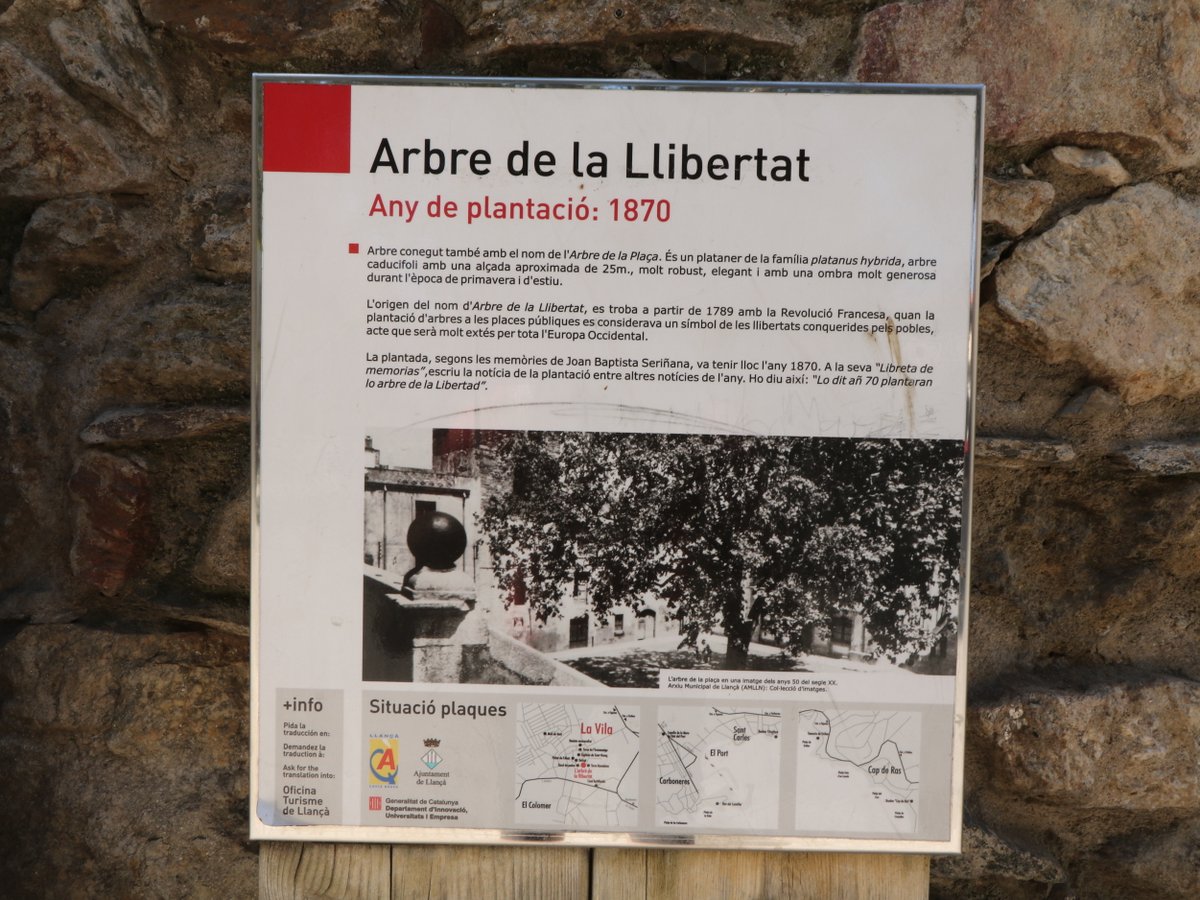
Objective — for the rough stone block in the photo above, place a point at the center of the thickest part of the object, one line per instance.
(75, 239)
(192, 345)
(112, 507)
(1164, 457)
(1020, 452)
(1170, 862)
(987, 855)
(54, 148)
(1119, 71)
(118, 427)
(698, 36)
(224, 253)
(1012, 206)
(105, 51)
(224, 560)
(1113, 288)
(339, 33)
(154, 726)
(1129, 746)
(1098, 166)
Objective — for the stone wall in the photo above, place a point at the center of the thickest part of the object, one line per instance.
(124, 388)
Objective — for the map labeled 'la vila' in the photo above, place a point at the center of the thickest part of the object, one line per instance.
(577, 766)
(718, 768)
(858, 771)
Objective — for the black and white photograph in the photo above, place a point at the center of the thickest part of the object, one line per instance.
(601, 559)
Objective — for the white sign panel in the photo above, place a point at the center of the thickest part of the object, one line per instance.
(612, 461)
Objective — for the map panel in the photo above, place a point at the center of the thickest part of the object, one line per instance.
(577, 766)
(858, 771)
(718, 767)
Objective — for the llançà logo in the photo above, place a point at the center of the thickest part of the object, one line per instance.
(382, 760)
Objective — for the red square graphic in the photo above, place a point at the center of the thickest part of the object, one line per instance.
(375, 803)
(352, 248)
(306, 127)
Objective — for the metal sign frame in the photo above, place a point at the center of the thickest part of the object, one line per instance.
(309, 144)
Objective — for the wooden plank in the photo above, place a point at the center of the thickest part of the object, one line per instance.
(502, 873)
(620, 873)
(750, 875)
(304, 871)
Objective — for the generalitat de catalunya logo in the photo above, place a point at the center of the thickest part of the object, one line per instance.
(381, 761)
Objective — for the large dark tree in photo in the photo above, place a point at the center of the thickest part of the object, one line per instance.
(735, 532)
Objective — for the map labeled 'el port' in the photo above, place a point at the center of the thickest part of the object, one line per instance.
(718, 767)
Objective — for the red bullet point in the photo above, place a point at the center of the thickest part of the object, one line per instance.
(353, 248)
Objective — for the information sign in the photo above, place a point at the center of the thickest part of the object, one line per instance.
(612, 461)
